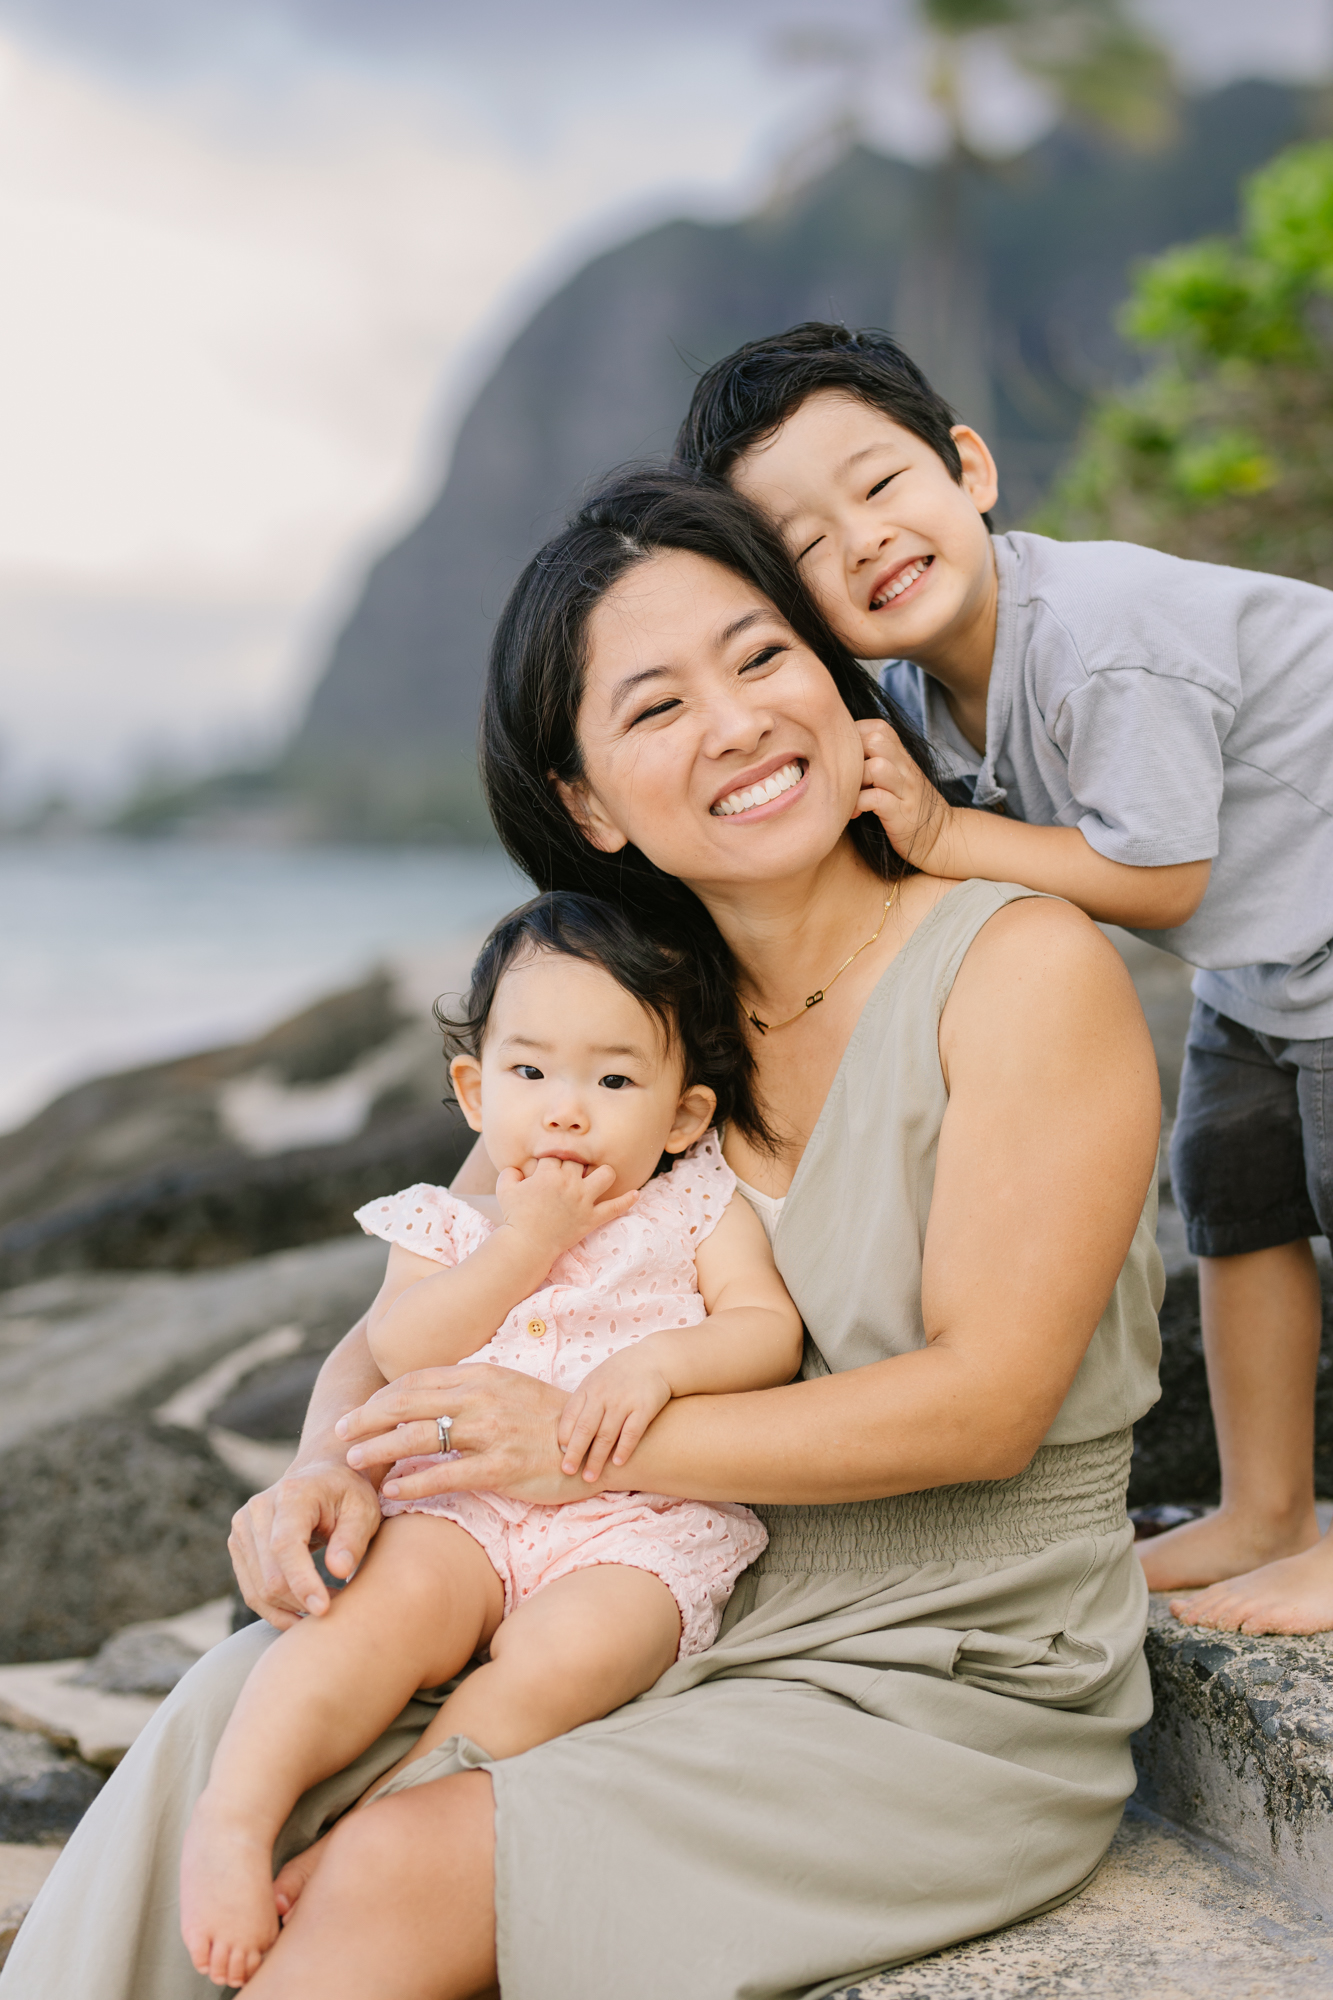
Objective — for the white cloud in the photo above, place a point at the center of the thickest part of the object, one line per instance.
(230, 336)
(1215, 41)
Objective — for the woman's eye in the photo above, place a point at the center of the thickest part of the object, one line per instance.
(528, 1071)
(764, 659)
(650, 714)
(882, 484)
(809, 545)
(615, 1083)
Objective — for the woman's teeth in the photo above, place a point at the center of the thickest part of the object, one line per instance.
(759, 795)
(903, 581)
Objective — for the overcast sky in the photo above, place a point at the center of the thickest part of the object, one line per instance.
(257, 255)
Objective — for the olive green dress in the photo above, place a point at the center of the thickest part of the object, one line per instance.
(914, 1726)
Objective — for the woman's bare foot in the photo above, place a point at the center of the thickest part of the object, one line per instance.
(1221, 1545)
(1293, 1595)
(228, 1916)
(291, 1881)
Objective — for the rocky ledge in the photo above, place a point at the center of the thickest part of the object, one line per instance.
(1240, 1748)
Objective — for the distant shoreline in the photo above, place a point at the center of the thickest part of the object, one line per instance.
(123, 952)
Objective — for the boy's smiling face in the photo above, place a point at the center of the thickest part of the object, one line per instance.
(893, 549)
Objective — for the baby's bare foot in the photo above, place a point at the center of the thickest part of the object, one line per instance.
(1294, 1595)
(228, 1915)
(1220, 1545)
(291, 1882)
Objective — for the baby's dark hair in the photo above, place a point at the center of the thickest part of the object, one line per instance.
(686, 992)
(743, 399)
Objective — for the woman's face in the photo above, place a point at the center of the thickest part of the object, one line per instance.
(712, 738)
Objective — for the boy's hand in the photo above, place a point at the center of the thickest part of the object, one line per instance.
(610, 1411)
(915, 816)
(558, 1203)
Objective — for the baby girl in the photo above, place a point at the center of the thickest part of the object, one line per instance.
(590, 1058)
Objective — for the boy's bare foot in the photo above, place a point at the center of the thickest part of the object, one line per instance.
(228, 1915)
(1220, 1545)
(291, 1881)
(1293, 1595)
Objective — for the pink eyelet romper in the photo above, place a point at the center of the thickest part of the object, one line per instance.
(623, 1281)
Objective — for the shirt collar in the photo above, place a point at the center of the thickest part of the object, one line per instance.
(1000, 693)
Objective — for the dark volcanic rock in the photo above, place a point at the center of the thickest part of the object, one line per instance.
(139, 1170)
(215, 1210)
(271, 1401)
(106, 1522)
(1239, 1747)
(43, 1794)
(1175, 1450)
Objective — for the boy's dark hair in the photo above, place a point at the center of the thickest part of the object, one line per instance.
(744, 398)
(534, 686)
(695, 1009)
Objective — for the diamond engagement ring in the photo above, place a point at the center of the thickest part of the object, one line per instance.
(443, 1428)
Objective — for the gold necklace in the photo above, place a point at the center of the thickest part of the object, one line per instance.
(813, 999)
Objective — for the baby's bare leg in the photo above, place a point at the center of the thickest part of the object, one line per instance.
(423, 1601)
(572, 1652)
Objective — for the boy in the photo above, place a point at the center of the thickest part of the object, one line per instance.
(1160, 735)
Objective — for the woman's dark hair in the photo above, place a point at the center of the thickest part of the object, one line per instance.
(742, 400)
(529, 733)
(694, 1009)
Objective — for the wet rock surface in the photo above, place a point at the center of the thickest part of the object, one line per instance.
(43, 1794)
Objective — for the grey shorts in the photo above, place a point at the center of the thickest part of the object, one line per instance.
(1252, 1149)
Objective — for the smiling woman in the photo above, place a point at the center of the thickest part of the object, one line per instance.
(914, 1723)
(719, 561)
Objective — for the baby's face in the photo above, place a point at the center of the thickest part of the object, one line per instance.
(573, 1068)
(894, 551)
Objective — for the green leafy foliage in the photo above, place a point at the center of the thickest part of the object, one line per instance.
(1224, 450)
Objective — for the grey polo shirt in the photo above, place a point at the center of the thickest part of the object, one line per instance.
(1172, 711)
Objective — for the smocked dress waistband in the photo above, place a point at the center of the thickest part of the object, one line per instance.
(1067, 1491)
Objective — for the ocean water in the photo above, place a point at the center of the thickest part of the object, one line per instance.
(114, 953)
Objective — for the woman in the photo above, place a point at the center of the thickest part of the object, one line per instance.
(915, 1724)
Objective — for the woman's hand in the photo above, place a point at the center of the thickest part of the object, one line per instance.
(917, 818)
(505, 1428)
(325, 1503)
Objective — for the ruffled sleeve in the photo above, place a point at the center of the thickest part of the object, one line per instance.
(428, 1220)
(703, 1184)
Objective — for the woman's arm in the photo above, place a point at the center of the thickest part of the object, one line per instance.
(1047, 1148)
(321, 1501)
(752, 1338)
